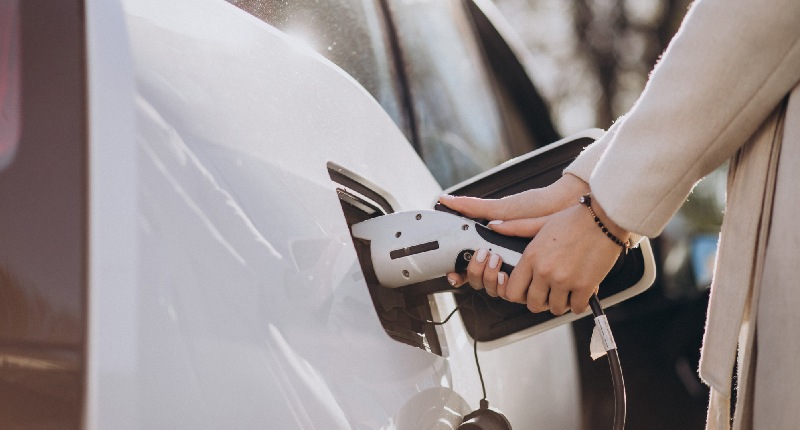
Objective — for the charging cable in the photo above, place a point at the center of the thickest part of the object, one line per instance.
(601, 321)
(610, 346)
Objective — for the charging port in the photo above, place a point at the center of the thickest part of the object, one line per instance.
(401, 314)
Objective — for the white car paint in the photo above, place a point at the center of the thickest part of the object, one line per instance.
(224, 288)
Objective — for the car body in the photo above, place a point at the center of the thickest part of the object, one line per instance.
(175, 252)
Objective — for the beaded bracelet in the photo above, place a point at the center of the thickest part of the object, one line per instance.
(586, 200)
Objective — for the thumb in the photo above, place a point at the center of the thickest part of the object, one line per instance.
(527, 227)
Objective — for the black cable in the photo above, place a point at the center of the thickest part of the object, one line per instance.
(613, 361)
(443, 322)
(475, 348)
(474, 339)
(608, 341)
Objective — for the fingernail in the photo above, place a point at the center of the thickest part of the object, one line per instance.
(501, 278)
(446, 197)
(493, 261)
(495, 222)
(451, 281)
(481, 255)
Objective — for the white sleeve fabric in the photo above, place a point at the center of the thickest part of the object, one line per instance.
(726, 69)
(587, 160)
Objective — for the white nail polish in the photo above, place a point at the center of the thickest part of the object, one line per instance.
(494, 260)
(451, 281)
(501, 278)
(495, 222)
(446, 197)
(481, 255)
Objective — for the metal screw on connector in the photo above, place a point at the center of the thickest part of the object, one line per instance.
(465, 227)
(419, 217)
(406, 274)
(398, 234)
(467, 256)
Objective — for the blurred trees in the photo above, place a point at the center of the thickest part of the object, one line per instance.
(591, 58)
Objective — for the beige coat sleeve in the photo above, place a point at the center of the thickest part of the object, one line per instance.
(725, 70)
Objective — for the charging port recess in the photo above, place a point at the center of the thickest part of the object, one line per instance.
(401, 314)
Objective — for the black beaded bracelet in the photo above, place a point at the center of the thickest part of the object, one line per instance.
(586, 200)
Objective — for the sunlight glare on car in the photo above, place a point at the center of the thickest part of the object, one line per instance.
(302, 38)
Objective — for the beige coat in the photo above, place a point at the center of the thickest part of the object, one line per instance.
(720, 93)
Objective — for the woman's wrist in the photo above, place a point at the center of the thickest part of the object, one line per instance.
(570, 187)
(610, 228)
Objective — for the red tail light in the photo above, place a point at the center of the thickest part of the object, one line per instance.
(10, 115)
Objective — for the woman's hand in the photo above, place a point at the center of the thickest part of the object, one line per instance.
(522, 215)
(564, 264)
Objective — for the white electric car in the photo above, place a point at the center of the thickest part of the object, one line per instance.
(177, 182)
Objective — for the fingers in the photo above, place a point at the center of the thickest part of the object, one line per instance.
(558, 301)
(476, 267)
(490, 274)
(517, 288)
(579, 300)
(474, 207)
(527, 227)
(537, 299)
(483, 272)
(456, 279)
(538, 295)
(559, 270)
(531, 203)
(502, 278)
